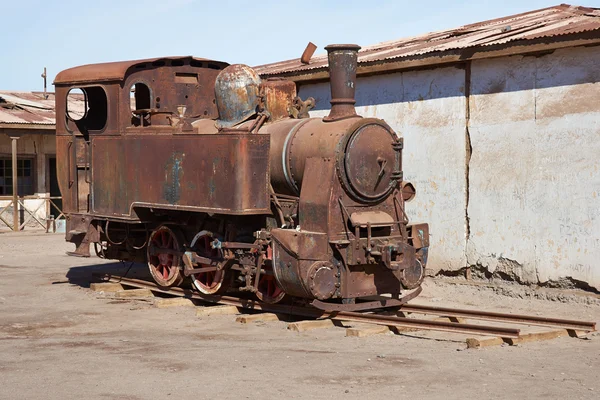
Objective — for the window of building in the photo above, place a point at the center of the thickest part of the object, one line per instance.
(25, 176)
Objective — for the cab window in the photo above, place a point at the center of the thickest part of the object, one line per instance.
(87, 107)
(140, 101)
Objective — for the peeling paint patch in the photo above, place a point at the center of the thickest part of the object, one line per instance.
(173, 177)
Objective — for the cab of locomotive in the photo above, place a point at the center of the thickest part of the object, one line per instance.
(115, 100)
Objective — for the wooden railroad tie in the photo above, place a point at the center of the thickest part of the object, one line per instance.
(173, 302)
(367, 331)
(303, 326)
(134, 293)
(478, 342)
(216, 310)
(263, 317)
(106, 287)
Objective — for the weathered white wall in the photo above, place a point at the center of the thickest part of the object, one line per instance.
(534, 179)
(427, 108)
(534, 188)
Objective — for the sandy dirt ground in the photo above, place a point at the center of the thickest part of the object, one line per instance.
(60, 340)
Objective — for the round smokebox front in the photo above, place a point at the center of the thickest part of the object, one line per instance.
(370, 163)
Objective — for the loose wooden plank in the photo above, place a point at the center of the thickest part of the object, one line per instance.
(106, 287)
(369, 331)
(216, 310)
(401, 329)
(476, 343)
(303, 326)
(245, 319)
(537, 336)
(173, 302)
(127, 294)
(525, 338)
(577, 333)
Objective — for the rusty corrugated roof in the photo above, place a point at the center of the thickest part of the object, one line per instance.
(549, 22)
(32, 109)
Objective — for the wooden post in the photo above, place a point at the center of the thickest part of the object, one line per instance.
(14, 182)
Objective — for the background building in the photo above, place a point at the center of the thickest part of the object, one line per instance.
(29, 117)
(501, 121)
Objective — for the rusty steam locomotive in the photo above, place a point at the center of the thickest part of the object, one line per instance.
(203, 170)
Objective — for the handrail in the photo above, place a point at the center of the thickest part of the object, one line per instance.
(69, 156)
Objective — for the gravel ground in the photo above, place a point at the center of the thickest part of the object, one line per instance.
(60, 340)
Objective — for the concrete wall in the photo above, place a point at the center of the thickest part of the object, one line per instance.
(524, 202)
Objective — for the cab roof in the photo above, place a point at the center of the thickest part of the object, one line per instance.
(116, 71)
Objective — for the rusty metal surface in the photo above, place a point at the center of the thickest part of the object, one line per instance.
(308, 53)
(279, 95)
(177, 91)
(177, 95)
(552, 22)
(237, 94)
(180, 172)
(367, 305)
(362, 149)
(408, 191)
(116, 71)
(371, 162)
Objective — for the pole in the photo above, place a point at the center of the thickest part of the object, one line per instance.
(44, 75)
(14, 182)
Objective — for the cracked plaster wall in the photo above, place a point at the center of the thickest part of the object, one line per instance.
(534, 182)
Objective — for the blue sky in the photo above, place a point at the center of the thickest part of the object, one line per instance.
(66, 33)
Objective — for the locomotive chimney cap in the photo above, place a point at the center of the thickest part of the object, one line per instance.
(333, 47)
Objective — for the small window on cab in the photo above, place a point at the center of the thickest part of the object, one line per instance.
(140, 101)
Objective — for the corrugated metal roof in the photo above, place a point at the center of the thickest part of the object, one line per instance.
(31, 108)
(549, 22)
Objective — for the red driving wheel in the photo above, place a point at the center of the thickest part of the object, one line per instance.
(164, 256)
(210, 282)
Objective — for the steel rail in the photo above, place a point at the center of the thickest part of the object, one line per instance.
(315, 313)
(500, 317)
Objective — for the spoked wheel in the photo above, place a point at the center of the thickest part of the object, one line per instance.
(211, 282)
(268, 289)
(164, 258)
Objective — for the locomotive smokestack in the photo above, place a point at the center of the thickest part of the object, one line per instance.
(342, 79)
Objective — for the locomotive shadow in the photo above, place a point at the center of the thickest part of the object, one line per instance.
(85, 274)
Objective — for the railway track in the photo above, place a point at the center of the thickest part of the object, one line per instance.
(400, 320)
